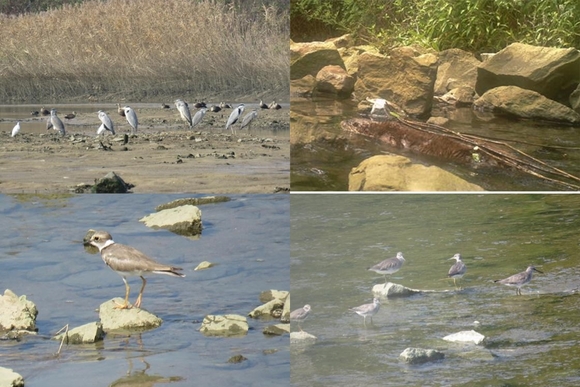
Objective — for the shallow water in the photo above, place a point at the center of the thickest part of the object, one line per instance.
(532, 339)
(42, 257)
(324, 166)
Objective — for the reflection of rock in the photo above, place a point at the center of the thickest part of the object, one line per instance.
(466, 337)
(420, 355)
(398, 173)
(10, 378)
(134, 319)
(88, 333)
(183, 220)
(226, 325)
(17, 313)
(193, 202)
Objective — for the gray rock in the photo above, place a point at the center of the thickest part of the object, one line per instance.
(277, 330)
(302, 337)
(183, 220)
(193, 202)
(224, 325)
(17, 313)
(111, 183)
(420, 355)
(267, 309)
(237, 359)
(286, 311)
(441, 121)
(204, 265)
(394, 290)
(88, 333)
(465, 337)
(9, 378)
(334, 80)
(456, 68)
(269, 295)
(134, 319)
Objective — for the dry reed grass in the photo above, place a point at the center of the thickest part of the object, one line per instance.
(141, 49)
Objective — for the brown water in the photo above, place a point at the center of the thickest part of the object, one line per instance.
(42, 257)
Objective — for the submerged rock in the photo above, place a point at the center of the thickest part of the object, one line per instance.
(420, 355)
(88, 333)
(134, 319)
(394, 290)
(465, 337)
(10, 378)
(237, 359)
(301, 337)
(17, 313)
(183, 220)
(224, 325)
(192, 201)
(277, 330)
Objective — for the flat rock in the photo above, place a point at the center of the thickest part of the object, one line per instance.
(301, 337)
(421, 355)
(224, 325)
(134, 319)
(269, 295)
(193, 202)
(85, 334)
(286, 311)
(465, 337)
(277, 330)
(17, 313)
(183, 220)
(394, 290)
(9, 378)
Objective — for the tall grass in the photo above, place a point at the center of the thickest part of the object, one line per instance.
(142, 49)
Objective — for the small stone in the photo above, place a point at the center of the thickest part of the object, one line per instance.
(17, 313)
(183, 220)
(465, 337)
(302, 337)
(88, 333)
(277, 330)
(204, 265)
(420, 355)
(224, 325)
(237, 359)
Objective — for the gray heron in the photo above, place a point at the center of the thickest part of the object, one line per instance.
(16, 129)
(183, 109)
(131, 118)
(55, 123)
(248, 118)
(107, 123)
(234, 116)
(198, 117)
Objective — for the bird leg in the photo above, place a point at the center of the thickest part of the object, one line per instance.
(125, 305)
(138, 302)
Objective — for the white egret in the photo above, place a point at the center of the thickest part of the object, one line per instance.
(107, 123)
(248, 118)
(183, 109)
(198, 116)
(16, 129)
(131, 117)
(234, 116)
(55, 123)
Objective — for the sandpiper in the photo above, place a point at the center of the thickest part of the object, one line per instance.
(367, 310)
(458, 269)
(300, 314)
(520, 279)
(389, 266)
(128, 261)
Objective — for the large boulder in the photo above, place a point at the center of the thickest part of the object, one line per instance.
(226, 325)
(183, 220)
(310, 58)
(17, 313)
(334, 80)
(398, 173)
(515, 101)
(575, 99)
(552, 72)
(133, 319)
(456, 68)
(9, 378)
(350, 56)
(405, 77)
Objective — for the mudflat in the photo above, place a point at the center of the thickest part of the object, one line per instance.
(165, 156)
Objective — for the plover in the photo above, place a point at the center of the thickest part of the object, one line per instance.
(389, 266)
(458, 269)
(520, 279)
(128, 261)
(300, 314)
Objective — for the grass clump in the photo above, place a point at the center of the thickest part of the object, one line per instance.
(144, 49)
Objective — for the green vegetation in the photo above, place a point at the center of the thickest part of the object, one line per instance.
(475, 25)
(142, 50)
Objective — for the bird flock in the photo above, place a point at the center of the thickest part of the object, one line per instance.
(54, 122)
(392, 265)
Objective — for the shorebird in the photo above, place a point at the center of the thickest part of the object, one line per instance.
(300, 314)
(120, 110)
(367, 310)
(263, 105)
(70, 116)
(34, 113)
(458, 269)
(274, 105)
(234, 116)
(198, 116)
(183, 109)
(107, 124)
(54, 122)
(248, 118)
(389, 266)
(128, 261)
(131, 117)
(164, 105)
(520, 279)
(16, 129)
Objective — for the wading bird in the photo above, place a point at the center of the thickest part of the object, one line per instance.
(389, 266)
(70, 116)
(234, 116)
(55, 123)
(120, 110)
(458, 269)
(367, 310)
(131, 117)
(300, 314)
(107, 123)
(519, 280)
(183, 109)
(198, 116)
(248, 118)
(274, 105)
(16, 129)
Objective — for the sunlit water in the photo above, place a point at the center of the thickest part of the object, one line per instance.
(42, 257)
(531, 340)
(325, 165)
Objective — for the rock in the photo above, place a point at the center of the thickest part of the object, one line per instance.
(441, 121)
(183, 220)
(268, 309)
(111, 183)
(515, 101)
(17, 313)
(459, 96)
(226, 325)
(302, 337)
(303, 87)
(286, 311)
(272, 294)
(398, 173)
(465, 337)
(551, 72)
(575, 99)
(277, 330)
(456, 68)
(345, 40)
(193, 202)
(334, 80)
(204, 265)
(309, 58)
(394, 290)
(350, 57)
(9, 378)
(236, 359)
(420, 355)
(88, 333)
(134, 319)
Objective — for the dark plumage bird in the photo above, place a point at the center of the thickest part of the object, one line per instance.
(70, 116)
(199, 105)
(34, 113)
(224, 105)
(274, 105)
(44, 111)
(263, 105)
(215, 108)
(164, 106)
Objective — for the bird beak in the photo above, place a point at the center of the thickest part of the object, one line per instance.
(538, 270)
